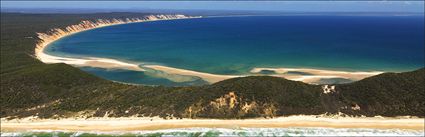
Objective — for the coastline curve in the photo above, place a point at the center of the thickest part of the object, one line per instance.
(314, 77)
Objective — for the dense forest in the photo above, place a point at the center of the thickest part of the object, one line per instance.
(32, 88)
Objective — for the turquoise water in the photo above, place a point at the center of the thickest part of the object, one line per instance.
(240, 132)
(235, 45)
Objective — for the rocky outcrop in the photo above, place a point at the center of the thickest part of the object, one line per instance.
(231, 105)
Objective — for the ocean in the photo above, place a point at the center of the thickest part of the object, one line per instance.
(235, 45)
(221, 132)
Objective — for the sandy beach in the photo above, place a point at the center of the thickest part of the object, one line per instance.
(155, 123)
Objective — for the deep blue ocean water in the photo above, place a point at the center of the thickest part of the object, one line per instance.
(235, 45)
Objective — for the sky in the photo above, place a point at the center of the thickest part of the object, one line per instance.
(295, 6)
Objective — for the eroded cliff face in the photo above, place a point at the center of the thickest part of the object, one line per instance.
(57, 33)
(231, 105)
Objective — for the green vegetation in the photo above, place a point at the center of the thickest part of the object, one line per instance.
(387, 94)
(30, 87)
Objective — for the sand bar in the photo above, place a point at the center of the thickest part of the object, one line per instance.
(315, 75)
(211, 78)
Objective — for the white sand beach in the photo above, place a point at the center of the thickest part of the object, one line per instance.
(155, 123)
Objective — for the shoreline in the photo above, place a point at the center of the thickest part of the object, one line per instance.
(128, 124)
(107, 63)
(56, 34)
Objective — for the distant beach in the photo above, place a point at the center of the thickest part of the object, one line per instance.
(56, 34)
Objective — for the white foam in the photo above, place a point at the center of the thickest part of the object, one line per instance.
(225, 132)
